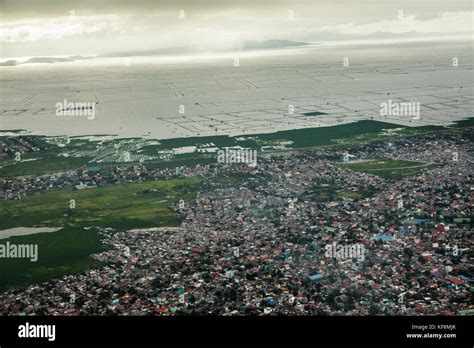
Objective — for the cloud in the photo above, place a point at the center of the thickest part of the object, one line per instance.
(31, 30)
(103, 26)
(445, 23)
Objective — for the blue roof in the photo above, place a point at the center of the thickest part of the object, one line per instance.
(383, 237)
(271, 303)
(419, 220)
(315, 277)
(404, 229)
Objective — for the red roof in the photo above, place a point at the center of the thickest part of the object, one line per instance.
(161, 310)
(197, 250)
(456, 280)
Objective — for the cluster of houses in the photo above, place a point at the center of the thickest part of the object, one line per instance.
(260, 247)
(15, 147)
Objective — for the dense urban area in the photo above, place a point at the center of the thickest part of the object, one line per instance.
(260, 246)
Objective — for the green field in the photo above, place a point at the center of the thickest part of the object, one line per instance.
(67, 251)
(334, 192)
(121, 207)
(59, 253)
(39, 163)
(388, 168)
(118, 206)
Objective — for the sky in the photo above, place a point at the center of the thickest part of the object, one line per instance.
(58, 27)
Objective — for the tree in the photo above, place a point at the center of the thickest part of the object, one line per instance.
(374, 310)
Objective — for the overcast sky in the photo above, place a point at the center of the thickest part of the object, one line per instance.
(56, 27)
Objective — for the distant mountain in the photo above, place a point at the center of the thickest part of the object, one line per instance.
(246, 45)
(13, 62)
(260, 45)
(10, 62)
(80, 57)
(154, 52)
(47, 60)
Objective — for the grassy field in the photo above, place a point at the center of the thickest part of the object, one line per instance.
(67, 251)
(59, 253)
(45, 160)
(334, 192)
(388, 168)
(39, 163)
(118, 206)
